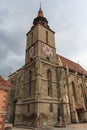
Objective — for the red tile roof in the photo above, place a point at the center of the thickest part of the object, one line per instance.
(3, 82)
(72, 65)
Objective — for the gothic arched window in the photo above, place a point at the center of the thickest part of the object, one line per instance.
(74, 91)
(49, 83)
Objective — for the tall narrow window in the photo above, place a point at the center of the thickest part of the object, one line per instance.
(74, 91)
(28, 108)
(32, 38)
(30, 78)
(46, 36)
(51, 107)
(49, 83)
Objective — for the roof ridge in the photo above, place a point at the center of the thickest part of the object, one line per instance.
(72, 65)
(68, 59)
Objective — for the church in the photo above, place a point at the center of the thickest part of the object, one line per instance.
(49, 88)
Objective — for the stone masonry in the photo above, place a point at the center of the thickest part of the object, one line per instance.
(49, 88)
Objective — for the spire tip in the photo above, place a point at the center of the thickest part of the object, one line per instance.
(40, 12)
(40, 6)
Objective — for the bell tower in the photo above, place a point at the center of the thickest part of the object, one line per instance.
(40, 40)
(41, 72)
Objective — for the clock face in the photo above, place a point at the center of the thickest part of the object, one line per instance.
(47, 50)
(31, 51)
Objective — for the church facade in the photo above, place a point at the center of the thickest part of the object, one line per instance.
(49, 88)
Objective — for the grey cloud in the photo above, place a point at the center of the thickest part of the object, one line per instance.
(67, 18)
(3, 15)
(11, 41)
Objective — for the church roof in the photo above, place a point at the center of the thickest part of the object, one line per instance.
(3, 82)
(66, 63)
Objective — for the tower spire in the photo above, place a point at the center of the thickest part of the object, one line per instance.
(40, 12)
(40, 7)
(40, 18)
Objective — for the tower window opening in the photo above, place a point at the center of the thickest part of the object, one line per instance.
(32, 38)
(48, 58)
(46, 36)
(31, 59)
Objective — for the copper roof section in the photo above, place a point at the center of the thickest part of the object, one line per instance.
(3, 82)
(72, 65)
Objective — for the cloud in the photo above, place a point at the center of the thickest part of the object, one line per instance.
(67, 18)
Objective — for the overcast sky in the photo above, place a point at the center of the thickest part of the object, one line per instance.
(68, 18)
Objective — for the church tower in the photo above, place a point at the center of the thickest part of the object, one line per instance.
(40, 40)
(40, 93)
(45, 88)
(35, 100)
